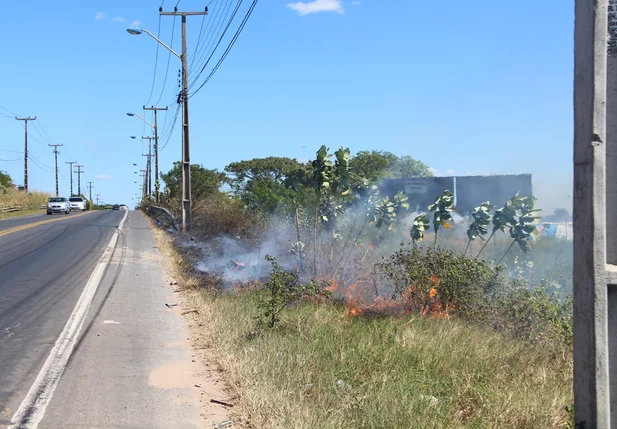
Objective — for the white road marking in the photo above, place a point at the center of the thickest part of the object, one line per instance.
(110, 322)
(32, 409)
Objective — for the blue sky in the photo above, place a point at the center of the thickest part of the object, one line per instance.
(466, 87)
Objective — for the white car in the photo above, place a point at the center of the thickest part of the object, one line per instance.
(77, 203)
(58, 205)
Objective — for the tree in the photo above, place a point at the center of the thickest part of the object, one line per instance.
(406, 167)
(203, 180)
(370, 167)
(266, 184)
(559, 215)
(5, 180)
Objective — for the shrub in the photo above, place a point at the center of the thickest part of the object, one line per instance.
(217, 215)
(282, 289)
(446, 282)
(423, 277)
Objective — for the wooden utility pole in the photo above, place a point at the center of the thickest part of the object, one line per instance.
(56, 152)
(26, 148)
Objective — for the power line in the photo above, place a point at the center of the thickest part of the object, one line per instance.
(12, 160)
(171, 130)
(229, 47)
(38, 164)
(200, 54)
(38, 123)
(201, 28)
(171, 45)
(7, 110)
(212, 39)
(32, 137)
(9, 150)
(156, 61)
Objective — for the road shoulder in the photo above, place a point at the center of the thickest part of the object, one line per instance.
(133, 365)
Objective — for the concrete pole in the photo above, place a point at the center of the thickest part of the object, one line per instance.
(90, 188)
(26, 149)
(70, 163)
(595, 208)
(186, 156)
(56, 152)
(157, 186)
(184, 96)
(79, 173)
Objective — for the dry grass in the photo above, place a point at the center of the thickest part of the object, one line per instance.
(318, 369)
(32, 199)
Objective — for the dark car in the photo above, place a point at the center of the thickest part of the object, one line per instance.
(116, 207)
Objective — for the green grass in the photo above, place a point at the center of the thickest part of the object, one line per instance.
(21, 213)
(317, 369)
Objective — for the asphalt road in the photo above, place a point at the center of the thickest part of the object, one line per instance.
(123, 361)
(45, 262)
(24, 220)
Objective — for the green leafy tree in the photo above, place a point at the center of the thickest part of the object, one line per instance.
(481, 216)
(522, 229)
(442, 209)
(368, 167)
(421, 223)
(406, 167)
(6, 181)
(503, 219)
(203, 181)
(267, 184)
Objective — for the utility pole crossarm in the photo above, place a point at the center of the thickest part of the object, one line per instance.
(205, 12)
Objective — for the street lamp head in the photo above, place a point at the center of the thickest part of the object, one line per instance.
(133, 137)
(130, 114)
(134, 31)
(135, 164)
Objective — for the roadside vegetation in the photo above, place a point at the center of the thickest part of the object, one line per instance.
(10, 196)
(330, 304)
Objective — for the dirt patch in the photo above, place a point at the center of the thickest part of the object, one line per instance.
(172, 375)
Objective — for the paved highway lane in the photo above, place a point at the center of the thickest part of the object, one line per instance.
(43, 270)
(12, 222)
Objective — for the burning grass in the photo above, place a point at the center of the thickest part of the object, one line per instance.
(336, 365)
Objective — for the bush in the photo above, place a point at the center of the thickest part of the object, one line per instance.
(282, 289)
(444, 282)
(218, 214)
(427, 278)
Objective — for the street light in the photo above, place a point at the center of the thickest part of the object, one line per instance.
(149, 155)
(184, 96)
(137, 31)
(140, 117)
